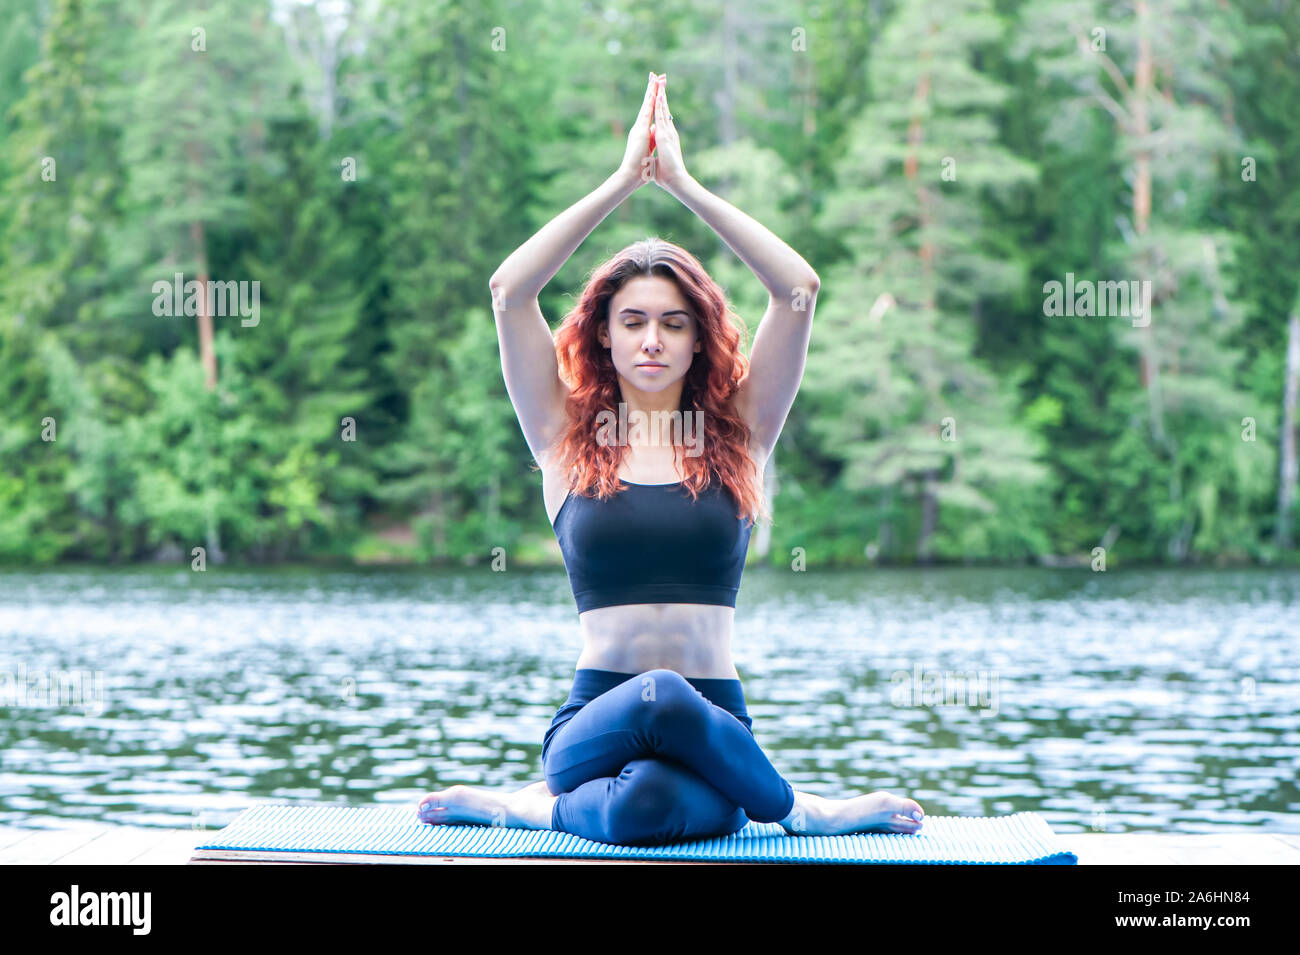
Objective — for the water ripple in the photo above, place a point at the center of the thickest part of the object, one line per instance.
(1137, 701)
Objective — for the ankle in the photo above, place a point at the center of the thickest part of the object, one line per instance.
(532, 810)
(801, 813)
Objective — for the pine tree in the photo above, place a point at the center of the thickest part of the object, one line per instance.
(63, 473)
(898, 395)
(304, 368)
(1262, 202)
(201, 82)
(446, 175)
(1153, 66)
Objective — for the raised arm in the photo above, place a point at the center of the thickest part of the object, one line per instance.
(780, 349)
(528, 361)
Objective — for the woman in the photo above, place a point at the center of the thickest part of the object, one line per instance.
(644, 385)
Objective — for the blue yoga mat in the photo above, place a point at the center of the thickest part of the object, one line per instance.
(1022, 838)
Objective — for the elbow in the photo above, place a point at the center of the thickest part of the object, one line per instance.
(807, 286)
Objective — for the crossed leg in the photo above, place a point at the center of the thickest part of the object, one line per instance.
(651, 802)
(653, 760)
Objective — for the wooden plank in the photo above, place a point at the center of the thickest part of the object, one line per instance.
(45, 845)
(1140, 848)
(1290, 838)
(1225, 849)
(116, 845)
(1113, 849)
(1258, 848)
(1203, 850)
(10, 835)
(176, 849)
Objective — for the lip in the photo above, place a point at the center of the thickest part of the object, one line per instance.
(651, 364)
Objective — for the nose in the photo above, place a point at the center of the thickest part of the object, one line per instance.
(652, 346)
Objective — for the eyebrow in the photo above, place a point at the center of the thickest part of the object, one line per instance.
(673, 311)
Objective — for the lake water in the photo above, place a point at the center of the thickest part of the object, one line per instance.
(1136, 700)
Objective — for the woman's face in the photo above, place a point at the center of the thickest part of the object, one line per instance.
(649, 321)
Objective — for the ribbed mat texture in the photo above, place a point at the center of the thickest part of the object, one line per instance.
(1018, 839)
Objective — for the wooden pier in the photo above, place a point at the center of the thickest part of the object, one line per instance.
(101, 844)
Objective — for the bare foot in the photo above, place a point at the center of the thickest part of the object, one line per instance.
(528, 808)
(814, 815)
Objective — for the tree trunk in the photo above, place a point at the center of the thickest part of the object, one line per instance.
(213, 543)
(1287, 440)
(439, 513)
(886, 528)
(494, 502)
(207, 354)
(929, 515)
(911, 169)
(1143, 83)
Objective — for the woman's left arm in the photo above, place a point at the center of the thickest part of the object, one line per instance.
(780, 349)
(781, 269)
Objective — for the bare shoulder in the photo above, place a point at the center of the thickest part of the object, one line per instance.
(531, 368)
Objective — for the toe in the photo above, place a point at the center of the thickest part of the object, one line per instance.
(432, 805)
(909, 809)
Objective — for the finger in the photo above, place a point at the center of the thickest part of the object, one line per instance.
(664, 118)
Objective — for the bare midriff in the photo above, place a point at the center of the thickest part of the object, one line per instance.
(691, 639)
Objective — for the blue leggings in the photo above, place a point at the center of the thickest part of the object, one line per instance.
(652, 758)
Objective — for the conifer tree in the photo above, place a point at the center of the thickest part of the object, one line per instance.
(898, 395)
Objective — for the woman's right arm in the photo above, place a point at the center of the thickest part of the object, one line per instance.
(528, 361)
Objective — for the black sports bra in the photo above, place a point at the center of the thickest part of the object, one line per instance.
(650, 544)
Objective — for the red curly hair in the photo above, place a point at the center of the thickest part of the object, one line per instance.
(716, 372)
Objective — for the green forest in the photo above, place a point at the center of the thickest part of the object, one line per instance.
(1058, 243)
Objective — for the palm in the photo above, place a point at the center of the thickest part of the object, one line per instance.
(639, 160)
(668, 167)
(653, 149)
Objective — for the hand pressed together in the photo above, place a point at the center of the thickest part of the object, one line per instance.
(653, 148)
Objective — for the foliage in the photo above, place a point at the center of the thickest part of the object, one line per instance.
(370, 166)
